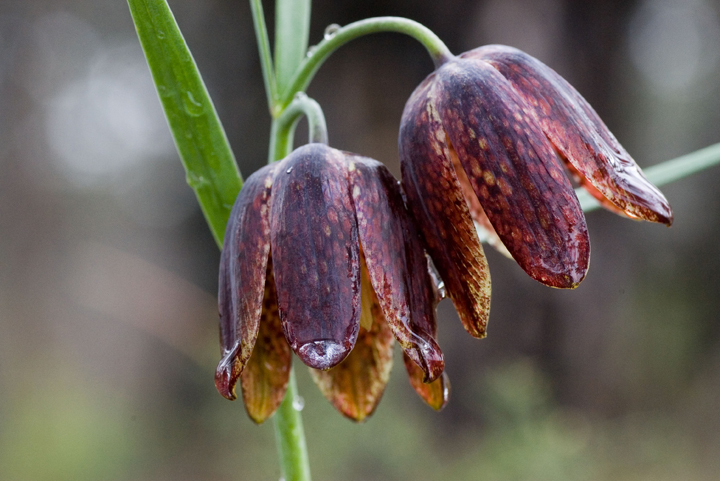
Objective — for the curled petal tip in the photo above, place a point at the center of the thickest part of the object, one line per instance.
(428, 356)
(322, 355)
(226, 375)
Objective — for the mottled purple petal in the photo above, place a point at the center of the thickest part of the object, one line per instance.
(439, 207)
(316, 255)
(515, 173)
(265, 377)
(396, 262)
(485, 230)
(355, 386)
(243, 265)
(586, 144)
(436, 394)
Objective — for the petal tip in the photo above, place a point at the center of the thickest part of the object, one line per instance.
(226, 378)
(428, 356)
(322, 355)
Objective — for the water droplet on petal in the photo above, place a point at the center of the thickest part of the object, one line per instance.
(298, 403)
(311, 51)
(289, 170)
(322, 354)
(438, 284)
(331, 30)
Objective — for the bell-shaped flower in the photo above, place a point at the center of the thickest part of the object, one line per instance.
(320, 258)
(485, 141)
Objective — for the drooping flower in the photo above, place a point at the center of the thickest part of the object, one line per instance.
(321, 259)
(484, 142)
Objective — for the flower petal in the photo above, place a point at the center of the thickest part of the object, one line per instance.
(437, 203)
(514, 172)
(436, 394)
(316, 255)
(485, 230)
(355, 386)
(265, 377)
(242, 277)
(396, 262)
(591, 150)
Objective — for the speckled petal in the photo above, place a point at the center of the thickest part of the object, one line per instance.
(396, 262)
(242, 277)
(436, 394)
(585, 143)
(355, 386)
(485, 230)
(265, 377)
(436, 201)
(316, 255)
(515, 173)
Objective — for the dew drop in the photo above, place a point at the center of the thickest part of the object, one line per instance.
(331, 30)
(438, 284)
(298, 403)
(289, 170)
(445, 388)
(160, 34)
(322, 354)
(300, 95)
(196, 181)
(192, 106)
(311, 51)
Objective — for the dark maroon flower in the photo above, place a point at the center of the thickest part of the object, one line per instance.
(487, 138)
(321, 258)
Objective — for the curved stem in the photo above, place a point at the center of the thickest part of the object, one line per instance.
(283, 127)
(290, 436)
(435, 47)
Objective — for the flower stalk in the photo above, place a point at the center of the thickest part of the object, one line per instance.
(290, 435)
(283, 128)
(308, 68)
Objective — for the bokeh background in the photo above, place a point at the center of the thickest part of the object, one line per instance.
(108, 274)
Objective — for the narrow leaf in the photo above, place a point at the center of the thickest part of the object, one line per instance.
(292, 29)
(199, 136)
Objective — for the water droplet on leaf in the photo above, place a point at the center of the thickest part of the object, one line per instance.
(196, 181)
(331, 30)
(192, 106)
(298, 403)
(311, 51)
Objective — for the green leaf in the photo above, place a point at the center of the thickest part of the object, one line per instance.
(199, 136)
(292, 29)
(666, 172)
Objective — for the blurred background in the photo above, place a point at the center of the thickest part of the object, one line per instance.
(108, 274)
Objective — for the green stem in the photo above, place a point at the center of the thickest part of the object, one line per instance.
(283, 128)
(290, 436)
(265, 56)
(435, 47)
(666, 172)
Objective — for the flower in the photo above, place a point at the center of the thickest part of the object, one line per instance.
(321, 258)
(484, 138)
